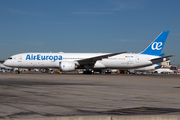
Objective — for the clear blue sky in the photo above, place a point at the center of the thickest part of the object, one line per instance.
(87, 26)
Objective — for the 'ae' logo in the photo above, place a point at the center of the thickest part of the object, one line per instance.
(156, 46)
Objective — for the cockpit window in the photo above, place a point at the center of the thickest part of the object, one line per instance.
(10, 58)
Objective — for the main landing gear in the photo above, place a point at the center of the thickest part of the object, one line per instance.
(87, 72)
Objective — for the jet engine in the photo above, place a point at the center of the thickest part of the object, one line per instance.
(67, 66)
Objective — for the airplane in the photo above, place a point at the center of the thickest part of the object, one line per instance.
(163, 71)
(92, 61)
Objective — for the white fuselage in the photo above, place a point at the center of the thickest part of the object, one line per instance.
(52, 60)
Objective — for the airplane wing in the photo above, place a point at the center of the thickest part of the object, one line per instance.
(92, 60)
(159, 60)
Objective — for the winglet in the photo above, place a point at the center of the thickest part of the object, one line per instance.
(156, 45)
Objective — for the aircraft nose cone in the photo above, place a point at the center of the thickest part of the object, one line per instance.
(6, 63)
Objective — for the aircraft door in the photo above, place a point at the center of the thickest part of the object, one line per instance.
(130, 60)
(60, 65)
(19, 58)
(137, 59)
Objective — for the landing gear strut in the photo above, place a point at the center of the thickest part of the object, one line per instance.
(88, 69)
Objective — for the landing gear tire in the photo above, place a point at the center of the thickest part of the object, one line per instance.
(108, 72)
(17, 71)
(87, 72)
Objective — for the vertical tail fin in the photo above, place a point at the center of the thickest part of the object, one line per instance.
(156, 45)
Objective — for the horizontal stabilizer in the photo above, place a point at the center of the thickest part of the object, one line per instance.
(157, 67)
(161, 59)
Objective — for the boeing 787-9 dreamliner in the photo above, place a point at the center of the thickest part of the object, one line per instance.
(92, 61)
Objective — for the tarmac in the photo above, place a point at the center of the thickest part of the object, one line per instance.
(55, 96)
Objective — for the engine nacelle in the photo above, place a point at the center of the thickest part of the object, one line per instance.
(66, 66)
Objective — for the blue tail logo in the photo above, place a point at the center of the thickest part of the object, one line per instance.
(156, 45)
